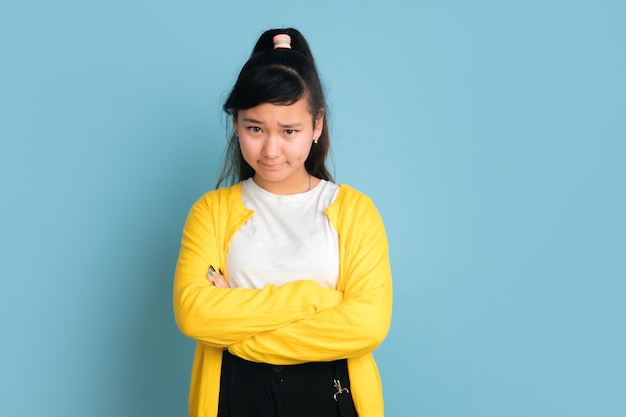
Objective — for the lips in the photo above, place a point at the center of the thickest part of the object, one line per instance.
(271, 167)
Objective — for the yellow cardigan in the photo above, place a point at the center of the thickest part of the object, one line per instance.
(294, 323)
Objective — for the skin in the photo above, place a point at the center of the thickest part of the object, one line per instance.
(217, 279)
(276, 140)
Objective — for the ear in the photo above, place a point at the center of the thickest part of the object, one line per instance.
(318, 124)
(235, 123)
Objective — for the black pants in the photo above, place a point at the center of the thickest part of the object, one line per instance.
(249, 389)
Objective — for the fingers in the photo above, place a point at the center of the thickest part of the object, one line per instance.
(216, 278)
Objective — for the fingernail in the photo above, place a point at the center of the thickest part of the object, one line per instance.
(221, 273)
(213, 283)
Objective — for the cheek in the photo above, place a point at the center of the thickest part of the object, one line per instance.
(248, 150)
(247, 146)
(298, 151)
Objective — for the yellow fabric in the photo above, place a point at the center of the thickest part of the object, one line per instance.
(295, 323)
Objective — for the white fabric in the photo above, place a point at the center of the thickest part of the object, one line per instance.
(288, 238)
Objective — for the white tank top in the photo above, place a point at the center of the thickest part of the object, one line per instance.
(288, 238)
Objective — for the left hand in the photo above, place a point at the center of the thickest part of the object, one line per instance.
(216, 278)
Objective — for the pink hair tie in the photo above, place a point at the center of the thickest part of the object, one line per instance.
(282, 41)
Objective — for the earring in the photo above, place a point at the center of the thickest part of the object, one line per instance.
(315, 140)
(237, 134)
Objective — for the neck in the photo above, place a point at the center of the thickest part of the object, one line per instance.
(301, 185)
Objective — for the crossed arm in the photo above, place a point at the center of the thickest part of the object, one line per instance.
(297, 322)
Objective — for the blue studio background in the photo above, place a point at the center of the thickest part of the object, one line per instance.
(490, 135)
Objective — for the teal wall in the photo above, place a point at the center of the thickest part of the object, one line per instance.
(490, 135)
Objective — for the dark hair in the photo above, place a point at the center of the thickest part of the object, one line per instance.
(278, 76)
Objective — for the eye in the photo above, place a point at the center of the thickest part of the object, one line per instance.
(290, 132)
(254, 129)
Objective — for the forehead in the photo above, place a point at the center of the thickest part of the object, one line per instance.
(269, 112)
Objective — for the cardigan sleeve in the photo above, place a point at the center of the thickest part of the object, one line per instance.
(358, 324)
(220, 317)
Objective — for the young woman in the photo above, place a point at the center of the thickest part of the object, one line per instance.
(283, 277)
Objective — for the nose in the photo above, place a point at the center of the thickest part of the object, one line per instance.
(271, 147)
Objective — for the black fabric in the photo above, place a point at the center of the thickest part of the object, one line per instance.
(342, 395)
(249, 389)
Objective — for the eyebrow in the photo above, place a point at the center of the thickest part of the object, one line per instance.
(291, 125)
(286, 126)
(250, 120)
